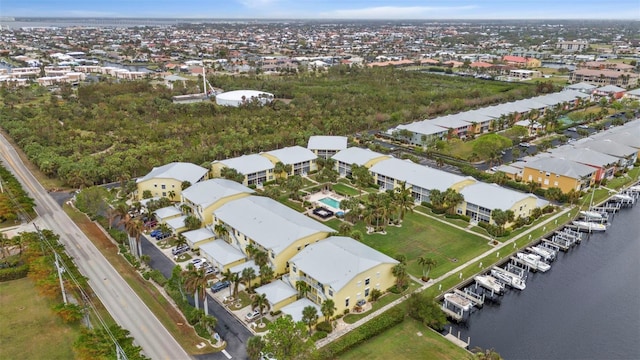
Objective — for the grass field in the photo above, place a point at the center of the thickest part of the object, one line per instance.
(343, 189)
(421, 236)
(168, 315)
(407, 340)
(28, 327)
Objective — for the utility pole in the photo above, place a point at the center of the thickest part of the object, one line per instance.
(60, 271)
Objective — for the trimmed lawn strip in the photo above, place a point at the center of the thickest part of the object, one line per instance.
(407, 340)
(343, 189)
(381, 302)
(29, 328)
(420, 236)
(168, 315)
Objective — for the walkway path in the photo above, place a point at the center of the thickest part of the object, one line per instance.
(451, 224)
(343, 329)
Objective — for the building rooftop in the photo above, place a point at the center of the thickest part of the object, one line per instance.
(295, 308)
(167, 212)
(269, 223)
(416, 174)
(319, 142)
(248, 164)
(584, 156)
(561, 167)
(180, 171)
(223, 253)
(277, 291)
(194, 236)
(492, 196)
(356, 155)
(293, 155)
(208, 192)
(349, 258)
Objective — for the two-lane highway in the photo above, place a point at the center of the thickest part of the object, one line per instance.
(113, 291)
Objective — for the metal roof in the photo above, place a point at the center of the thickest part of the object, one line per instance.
(492, 196)
(180, 171)
(416, 174)
(293, 155)
(321, 142)
(269, 223)
(356, 155)
(210, 191)
(248, 164)
(348, 259)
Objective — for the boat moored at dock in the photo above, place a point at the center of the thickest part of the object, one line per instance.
(508, 278)
(533, 261)
(589, 226)
(490, 283)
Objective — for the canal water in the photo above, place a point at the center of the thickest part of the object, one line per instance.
(586, 307)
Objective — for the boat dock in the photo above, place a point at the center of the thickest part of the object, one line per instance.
(476, 300)
(453, 306)
(456, 340)
(559, 243)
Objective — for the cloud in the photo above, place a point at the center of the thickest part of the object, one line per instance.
(398, 12)
(252, 4)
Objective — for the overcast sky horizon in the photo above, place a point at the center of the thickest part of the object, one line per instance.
(328, 9)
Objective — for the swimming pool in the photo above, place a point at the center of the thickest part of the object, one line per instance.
(330, 202)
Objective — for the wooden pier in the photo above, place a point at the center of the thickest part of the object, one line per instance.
(562, 245)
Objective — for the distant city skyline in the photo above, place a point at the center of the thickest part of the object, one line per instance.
(327, 9)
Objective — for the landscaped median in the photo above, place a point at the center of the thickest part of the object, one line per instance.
(168, 315)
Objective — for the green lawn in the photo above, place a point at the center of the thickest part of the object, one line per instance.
(343, 189)
(29, 329)
(421, 236)
(407, 340)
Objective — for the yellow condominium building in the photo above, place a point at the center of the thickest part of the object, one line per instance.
(560, 173)
(358, 156)
(166, 181)
(256, 169)
(343, 270)
(480, 199)
(206, 196)
(269, 226)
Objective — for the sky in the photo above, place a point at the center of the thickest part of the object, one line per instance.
(328, 9)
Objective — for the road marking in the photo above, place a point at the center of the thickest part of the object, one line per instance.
(225, 353)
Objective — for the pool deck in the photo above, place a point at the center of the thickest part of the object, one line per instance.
(315, 199)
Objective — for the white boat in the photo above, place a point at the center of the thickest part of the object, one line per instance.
(589, 226)
(510, 279)
(459, 301)
(624, 197)
(591, 215)
(490, 283)
(634, 188)
(546, 254)
(534, 261)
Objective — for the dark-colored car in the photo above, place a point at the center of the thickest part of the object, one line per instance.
(220, 286)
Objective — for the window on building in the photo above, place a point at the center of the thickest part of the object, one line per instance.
(346, 302)
(366, 292)
(294, 268)
(164, 186)
(164, 194)
(367, 281)
(155, 185)
(330, 292)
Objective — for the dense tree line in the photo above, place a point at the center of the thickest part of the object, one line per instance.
(13, 199)
(111, 131)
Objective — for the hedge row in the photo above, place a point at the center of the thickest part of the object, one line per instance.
(13, 273)
(375, 326)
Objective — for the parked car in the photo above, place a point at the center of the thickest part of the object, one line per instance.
(180, 249)
(151, 223)
(155, 233)
(524, 144)
(220, 286)
(572, 129)
(197, 261)
(252, 315)
(209, 270)
(201, 265)
(163, 236)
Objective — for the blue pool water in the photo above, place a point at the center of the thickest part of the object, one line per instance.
(331, 202)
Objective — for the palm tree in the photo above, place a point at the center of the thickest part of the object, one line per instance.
(209, 322)
(134, 227)
(328, 308)
(227, 275)
(222, 231)
(400, 272)
(281, 170)
(403, 199)
(303, 288)
(247, 276)
(452, 198)
(255, 345)
(260, 301)
(428, 263)
(172, 194)
(180, 240)
(310, 316)
(196, 281)
(261, 258)
(266, 274)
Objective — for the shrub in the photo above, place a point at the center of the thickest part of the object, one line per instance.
(157, 276)
(324, 326)
(318, 335)
(14, 272)
(375, 294)
(146, 275)
(368, 330)
(275, 313)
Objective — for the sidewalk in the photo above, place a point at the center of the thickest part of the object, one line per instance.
(343, 328)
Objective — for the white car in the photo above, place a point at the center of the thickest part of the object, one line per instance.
(252, 315)
(524, 144)
(197, 262)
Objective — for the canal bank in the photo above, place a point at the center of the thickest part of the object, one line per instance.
(585, 307)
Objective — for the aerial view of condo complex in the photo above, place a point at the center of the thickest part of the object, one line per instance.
(289, 180)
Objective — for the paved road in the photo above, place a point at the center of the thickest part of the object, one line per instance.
(229, 327)
(120, 300)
